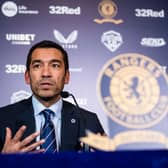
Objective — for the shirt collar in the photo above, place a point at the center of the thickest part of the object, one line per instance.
(38, 107)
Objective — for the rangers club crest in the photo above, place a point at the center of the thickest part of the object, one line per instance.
(133, 90)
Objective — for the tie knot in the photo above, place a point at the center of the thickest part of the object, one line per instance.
(47, 114)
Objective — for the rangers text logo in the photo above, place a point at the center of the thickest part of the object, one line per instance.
(133, 90)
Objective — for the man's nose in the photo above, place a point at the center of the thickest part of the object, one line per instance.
(46, 71)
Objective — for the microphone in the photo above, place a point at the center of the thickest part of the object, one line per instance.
(65, 94)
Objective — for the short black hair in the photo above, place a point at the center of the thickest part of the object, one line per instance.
(47, 44)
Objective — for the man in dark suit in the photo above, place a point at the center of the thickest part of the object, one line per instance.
(21, 123)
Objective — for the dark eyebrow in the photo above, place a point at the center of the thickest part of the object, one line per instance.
(36, 61)
(56, 60)
(51, 61)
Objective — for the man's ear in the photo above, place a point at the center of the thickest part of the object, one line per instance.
(67, 77)
(27, 77)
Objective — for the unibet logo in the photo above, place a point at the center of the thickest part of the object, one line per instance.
(9, 9)
(20, 39)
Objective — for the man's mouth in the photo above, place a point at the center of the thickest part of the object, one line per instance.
(45, 85)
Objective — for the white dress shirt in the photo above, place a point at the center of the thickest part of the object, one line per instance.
(56, 117)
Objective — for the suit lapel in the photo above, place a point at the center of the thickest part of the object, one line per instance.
(26, 117)
(69, 127)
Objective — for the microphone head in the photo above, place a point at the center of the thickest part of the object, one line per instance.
(65, 94)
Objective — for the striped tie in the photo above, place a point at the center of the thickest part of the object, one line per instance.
(48, 133)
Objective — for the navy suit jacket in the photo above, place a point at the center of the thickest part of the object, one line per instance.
(22, 113)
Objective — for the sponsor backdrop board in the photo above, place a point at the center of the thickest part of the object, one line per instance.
(118, 60)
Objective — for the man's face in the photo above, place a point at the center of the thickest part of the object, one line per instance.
(47, 74)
